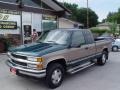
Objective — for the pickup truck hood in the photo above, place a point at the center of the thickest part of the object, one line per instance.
(37, 49)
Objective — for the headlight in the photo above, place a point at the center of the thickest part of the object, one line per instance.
(40, 61)
(36, 59)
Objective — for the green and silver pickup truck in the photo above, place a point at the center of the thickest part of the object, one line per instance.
(58, 52)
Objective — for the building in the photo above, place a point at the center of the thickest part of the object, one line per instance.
(18, 19)
(107, 26)
(66, 23)
(103, 26)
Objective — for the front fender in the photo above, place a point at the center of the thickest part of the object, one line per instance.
(53, 59)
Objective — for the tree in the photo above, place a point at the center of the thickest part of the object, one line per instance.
(103, 21)
(113, 27)
(119, 10)
(73, 8)
(114, 17)
(80, 15)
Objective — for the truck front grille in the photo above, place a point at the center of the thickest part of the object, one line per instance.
(19, 63)
(18, 56)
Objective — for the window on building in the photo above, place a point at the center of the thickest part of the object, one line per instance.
(49, 22)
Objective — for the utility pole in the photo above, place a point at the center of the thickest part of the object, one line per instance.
(87, 14)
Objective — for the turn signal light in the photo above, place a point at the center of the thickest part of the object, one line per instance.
(39, 66)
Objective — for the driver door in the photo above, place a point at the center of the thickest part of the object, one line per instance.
(79, 48)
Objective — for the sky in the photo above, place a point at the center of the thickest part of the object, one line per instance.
(101, 7)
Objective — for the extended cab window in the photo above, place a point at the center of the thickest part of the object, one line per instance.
(88, 37)
(77, 38)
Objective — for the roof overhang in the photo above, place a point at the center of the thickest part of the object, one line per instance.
(58, 7)
(73, 22)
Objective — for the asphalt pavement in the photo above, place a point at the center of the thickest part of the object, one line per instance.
(93, 78)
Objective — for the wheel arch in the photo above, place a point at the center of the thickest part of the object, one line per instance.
(106, 49)
(61, 61)
(115, 46)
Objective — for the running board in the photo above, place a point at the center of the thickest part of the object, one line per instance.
(79, 68)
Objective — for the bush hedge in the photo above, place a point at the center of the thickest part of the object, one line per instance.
(99, 31)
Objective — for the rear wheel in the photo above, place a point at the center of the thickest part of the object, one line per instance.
(102, 60)
(55, 74)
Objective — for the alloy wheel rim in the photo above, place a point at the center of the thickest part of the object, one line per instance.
(115, 48)
(56, 76)
(104, 58)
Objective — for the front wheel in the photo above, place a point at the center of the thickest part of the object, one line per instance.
(102, 60)
(115, 48)
(55, 74)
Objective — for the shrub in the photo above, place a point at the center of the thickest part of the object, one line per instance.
(99, 31)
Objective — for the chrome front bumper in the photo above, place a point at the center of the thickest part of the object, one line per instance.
(26, 71)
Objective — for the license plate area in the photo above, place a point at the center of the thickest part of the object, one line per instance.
(13, 70)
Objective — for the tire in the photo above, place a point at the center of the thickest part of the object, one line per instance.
(55, 74)
(115, 48)
(102, 60)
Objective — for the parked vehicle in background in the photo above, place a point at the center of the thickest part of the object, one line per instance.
(58, 52)
(116, 45)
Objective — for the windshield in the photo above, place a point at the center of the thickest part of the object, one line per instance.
(55, 37)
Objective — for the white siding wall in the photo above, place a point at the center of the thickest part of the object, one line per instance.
(26, 18)
(37, 21)
(65, 24)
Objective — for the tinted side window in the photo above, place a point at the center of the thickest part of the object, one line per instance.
(88, 37)
(78, 38)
